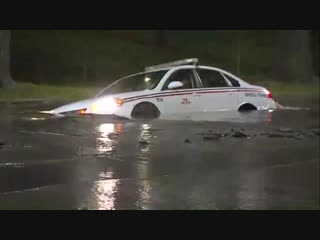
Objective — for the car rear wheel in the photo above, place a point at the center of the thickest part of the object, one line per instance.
(145, 110)
(247, 107)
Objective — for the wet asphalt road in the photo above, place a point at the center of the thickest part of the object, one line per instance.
(258, 160)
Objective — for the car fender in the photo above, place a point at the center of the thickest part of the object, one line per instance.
(126, 109)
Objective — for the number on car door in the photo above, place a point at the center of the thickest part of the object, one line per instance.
(181, 100)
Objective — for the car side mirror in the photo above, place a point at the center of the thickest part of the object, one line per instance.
(175, 84)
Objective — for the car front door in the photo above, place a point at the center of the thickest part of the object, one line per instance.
(183, 99)
(215, 92)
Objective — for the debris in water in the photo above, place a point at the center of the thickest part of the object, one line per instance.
(113, 136)
(207, 134)
(187, 140)
(151, 130)
(11, 165)
(143, 142)
(279, 135)
(316, 132)
(212, 137)
(285, 130)
(309, 135)
(239, 134)
(2, 144)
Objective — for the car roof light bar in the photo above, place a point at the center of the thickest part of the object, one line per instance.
(193, 61)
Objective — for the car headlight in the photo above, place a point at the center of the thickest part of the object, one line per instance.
(107, 105)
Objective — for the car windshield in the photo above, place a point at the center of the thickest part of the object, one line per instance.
(137, 82)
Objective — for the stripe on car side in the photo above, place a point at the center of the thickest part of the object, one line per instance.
(190, 92)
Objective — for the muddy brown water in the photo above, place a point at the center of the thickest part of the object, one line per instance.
(182, 163)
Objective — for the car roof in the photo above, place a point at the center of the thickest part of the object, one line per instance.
(188, 63)
(188, 66)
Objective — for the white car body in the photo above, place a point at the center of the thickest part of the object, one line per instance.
(195, 99)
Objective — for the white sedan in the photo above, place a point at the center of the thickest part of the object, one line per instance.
(181, 87)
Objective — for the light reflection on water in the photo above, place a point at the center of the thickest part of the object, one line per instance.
(105, 141)
(34, 118)
(105, 192)
(144, 199)
(146, 136)
(108, 174)
(144, 187)
(110, 194)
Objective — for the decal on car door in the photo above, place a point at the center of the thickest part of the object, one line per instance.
(185, 101)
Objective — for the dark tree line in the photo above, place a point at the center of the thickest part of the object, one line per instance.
(6, 80)
(297, 55)
(296, 58)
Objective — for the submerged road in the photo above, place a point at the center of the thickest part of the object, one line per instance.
(258, 160)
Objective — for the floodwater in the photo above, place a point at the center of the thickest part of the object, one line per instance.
(258, 160)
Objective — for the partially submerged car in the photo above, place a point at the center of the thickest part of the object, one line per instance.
(182, 86)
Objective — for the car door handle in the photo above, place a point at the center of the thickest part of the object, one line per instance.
(196, 95)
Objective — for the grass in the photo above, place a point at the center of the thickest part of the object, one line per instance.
(292, 89)
(28, 91)
(283, 88)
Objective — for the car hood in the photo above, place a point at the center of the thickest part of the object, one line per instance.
(74, 106)
(88, 102)
(128, 94)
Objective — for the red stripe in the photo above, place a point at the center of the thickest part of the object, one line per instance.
(187, 93)
(193, 90)
(158, 94)
(167, 95)
(242, 90)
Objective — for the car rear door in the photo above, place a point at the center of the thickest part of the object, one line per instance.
(182, 100)
(215, 92)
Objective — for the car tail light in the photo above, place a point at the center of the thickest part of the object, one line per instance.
(270, 95)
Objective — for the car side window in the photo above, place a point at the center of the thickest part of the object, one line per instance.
(211, 78)
(186, 76)
(234, 82)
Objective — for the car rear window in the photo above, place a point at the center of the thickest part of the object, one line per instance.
(234, 82)
(211, 78)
